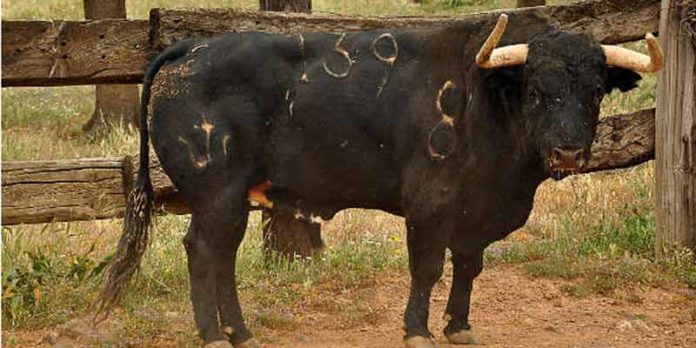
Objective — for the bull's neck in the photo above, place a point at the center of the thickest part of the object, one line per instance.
(496, 130)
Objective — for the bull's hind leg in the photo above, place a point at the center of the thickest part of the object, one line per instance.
(216, 231)
(466, 268)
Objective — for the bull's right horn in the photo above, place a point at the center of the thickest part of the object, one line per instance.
(490, 57)
(629, 59)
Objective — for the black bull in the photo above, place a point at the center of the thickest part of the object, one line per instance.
(398, 120)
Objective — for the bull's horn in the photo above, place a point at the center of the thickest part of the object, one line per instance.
(625, 58)
(490, 57)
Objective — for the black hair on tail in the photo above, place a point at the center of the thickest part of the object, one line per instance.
(139, 206)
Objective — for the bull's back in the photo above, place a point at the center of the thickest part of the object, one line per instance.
(316, 114)
(336, 138)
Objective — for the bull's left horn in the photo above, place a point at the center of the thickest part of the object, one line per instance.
(490, 57)
(629, 59)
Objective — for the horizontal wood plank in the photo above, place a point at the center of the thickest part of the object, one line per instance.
(624, 141)
(610, 21)
(57, 53)
(45, 191)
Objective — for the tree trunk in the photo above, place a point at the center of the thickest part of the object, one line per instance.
(289, 237)
(116, 105)
(675, 134)
(530, 3)
(286, 5)
(282, 233)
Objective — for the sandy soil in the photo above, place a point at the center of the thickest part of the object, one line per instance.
(513, 310)
(510, 309)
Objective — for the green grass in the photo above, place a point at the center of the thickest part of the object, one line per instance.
(610, 254)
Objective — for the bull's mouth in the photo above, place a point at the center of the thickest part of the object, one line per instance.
(561, 173)
(558, 171)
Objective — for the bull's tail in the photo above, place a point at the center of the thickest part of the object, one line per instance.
(139, 205)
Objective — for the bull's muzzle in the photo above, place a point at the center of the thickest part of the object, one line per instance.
(565, 161)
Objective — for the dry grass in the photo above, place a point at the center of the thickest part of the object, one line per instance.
(595, 228)
(73, 9)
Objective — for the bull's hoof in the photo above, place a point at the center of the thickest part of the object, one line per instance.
(250, 343)
(462, 337)
(218, 344)
(419, 342)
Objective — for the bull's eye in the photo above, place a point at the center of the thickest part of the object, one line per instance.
(555, 103)
(534, 97)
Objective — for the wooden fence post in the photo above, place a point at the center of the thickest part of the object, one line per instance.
(286, 5)
(675, 133)
(282, 232)
(116, 105)
(530, 3)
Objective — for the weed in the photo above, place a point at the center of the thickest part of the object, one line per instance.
(276, 321)
(573, 290)
(32, 276)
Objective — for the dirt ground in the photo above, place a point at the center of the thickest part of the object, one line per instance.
(509, 309)
(513, 310)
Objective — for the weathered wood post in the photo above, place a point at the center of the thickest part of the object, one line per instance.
(115, 105)
(530, 3)
(283, 233)
(286, 5)
(675, 133)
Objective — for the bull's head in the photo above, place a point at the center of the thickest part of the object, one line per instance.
(565, 77)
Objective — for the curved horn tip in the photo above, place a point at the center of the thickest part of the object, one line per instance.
(501, 24)
(655, 52)
(484, 53)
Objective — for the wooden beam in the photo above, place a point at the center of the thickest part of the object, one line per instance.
(530, 3)
(286, 5)
(77, 189)
(610, 21)
(40, 53)
(60, 53)
(89, 189)
(624, 141)
(63, 190)
(675, 165)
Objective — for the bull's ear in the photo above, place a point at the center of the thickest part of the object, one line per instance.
(623, 79)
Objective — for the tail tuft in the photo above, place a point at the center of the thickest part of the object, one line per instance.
(131, 248)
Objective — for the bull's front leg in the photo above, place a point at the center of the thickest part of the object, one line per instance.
(467, 266)
(427, 240)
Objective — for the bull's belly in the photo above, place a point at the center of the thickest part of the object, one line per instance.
(324, 180)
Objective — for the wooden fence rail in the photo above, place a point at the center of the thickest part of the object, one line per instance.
(116, 51)
(88, 189)
(59, 53)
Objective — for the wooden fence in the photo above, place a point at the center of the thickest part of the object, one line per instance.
(59, 53)
(40, 53)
